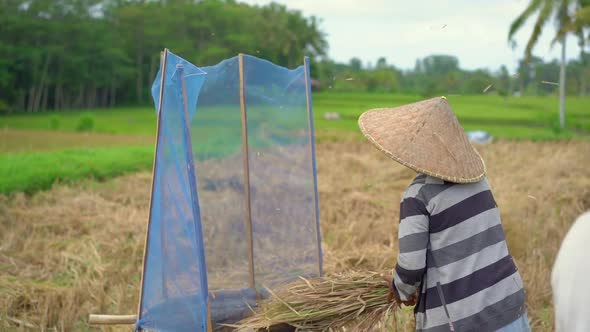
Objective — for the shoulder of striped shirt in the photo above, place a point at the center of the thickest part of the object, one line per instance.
(426, 187)
(433, 180)
(413, 188)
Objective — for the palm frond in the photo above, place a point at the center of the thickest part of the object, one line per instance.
(581, 20)
(578, 30)
(524, 16)
(582, 15)
(574, 22)
(544, 16)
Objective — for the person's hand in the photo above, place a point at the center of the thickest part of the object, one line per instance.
(391, 296)
(412, 300)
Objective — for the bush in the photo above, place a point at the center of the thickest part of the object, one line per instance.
(86, 123)
(4, 109)
(54, 122)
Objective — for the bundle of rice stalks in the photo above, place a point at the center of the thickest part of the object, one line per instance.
(355, 301)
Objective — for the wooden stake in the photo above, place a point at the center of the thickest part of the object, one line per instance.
(112, 319)
(313, 163)
(246, 171)
(163, 62)
(209, 321)
(192, 184)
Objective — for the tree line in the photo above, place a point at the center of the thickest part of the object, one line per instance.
(72, 54)
(60, 54)
(442, 74)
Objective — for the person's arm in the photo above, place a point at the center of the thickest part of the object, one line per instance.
(413, 242)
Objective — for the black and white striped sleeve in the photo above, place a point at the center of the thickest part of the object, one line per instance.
(413, 243)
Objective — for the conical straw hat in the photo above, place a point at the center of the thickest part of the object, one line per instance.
(426, 137)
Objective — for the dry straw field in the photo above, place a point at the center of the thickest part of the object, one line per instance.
(77, 249)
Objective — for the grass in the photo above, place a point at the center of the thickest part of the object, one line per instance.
(123, 120)
(77, 249)
(217, 133)
(82, 249)
(31, 140)
(512, 118)
(32, 171)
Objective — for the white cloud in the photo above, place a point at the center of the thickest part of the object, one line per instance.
(402, 31)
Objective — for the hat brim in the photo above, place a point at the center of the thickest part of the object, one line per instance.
(441, 150)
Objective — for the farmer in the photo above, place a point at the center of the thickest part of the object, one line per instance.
(453, 262)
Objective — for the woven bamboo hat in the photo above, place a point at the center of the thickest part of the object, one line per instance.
(426, 137)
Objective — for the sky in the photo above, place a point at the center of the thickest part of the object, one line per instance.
(403, 30)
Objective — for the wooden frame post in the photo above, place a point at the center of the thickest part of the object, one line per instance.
(246, 162)
(313, 162)
(192, 185)
(163, 62)
(112, 319)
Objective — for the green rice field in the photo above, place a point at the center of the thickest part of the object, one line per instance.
(37, 150)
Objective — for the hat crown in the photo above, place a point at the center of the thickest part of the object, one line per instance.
(427, 137)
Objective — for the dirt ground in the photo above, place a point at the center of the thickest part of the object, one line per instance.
(26, 140)
(76, 250)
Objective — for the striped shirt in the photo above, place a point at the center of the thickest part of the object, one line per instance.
(452, 250)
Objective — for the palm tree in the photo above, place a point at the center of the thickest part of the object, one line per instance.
(581, 21)
(547, 10)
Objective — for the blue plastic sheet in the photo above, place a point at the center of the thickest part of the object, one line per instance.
(282, 171)
(174, 289)
(218, 149)
(202, 250)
